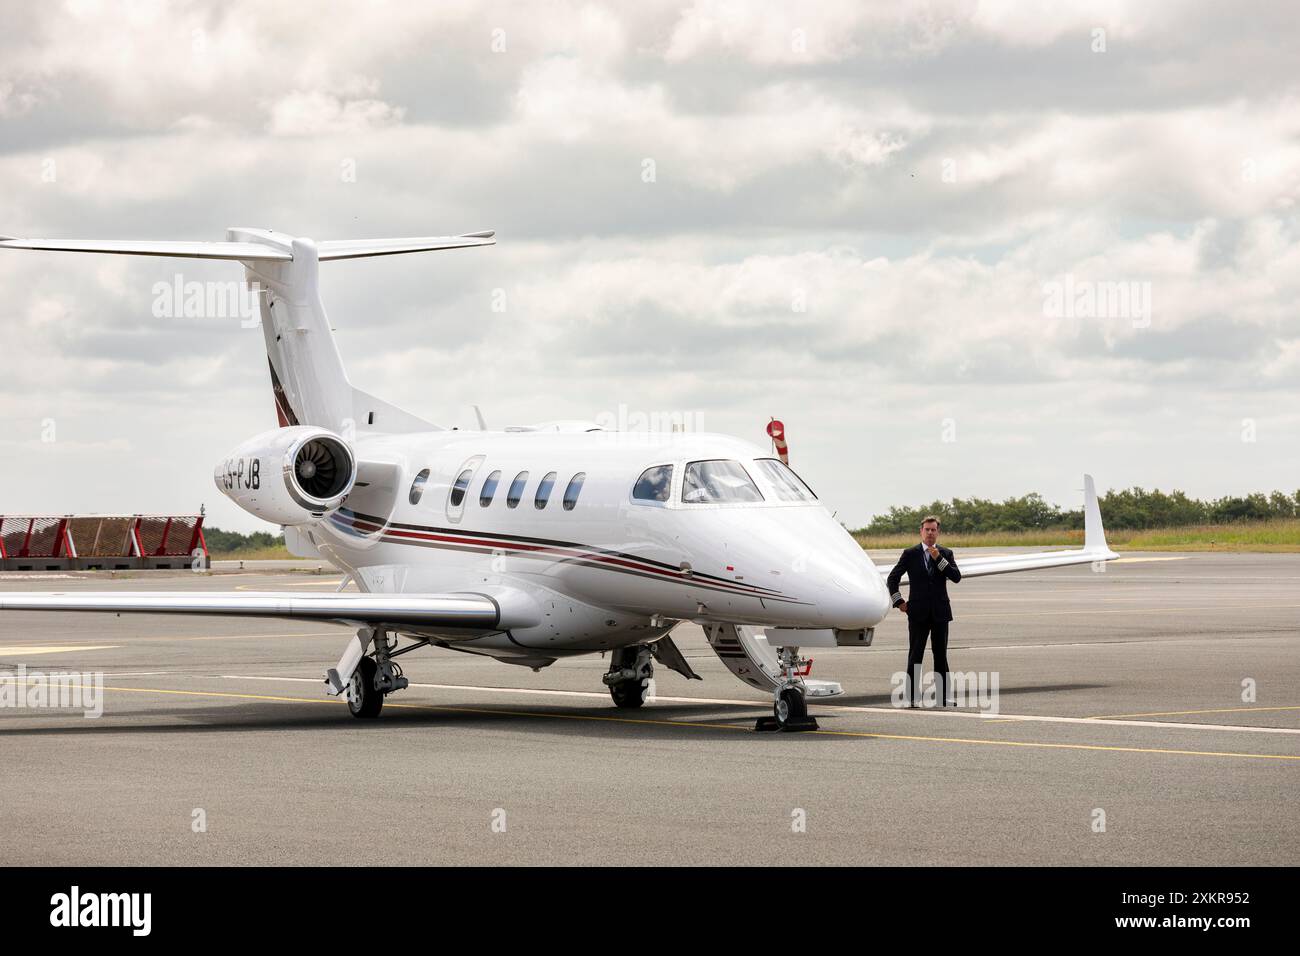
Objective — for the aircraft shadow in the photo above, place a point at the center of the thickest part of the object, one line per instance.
(706, 722)
(886, 700)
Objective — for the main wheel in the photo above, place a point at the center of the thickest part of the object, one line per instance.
(790, 705)
(629, 694)
(363, 699)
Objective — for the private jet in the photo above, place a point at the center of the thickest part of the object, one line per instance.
(528, 544)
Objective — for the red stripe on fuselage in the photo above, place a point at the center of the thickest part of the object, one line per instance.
(484, 541)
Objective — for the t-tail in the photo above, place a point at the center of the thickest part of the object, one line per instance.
(309, 382)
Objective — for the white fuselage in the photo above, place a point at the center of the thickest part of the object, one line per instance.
(610, 570)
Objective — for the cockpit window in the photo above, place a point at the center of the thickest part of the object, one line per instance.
(655, 484)
(718, 482)
(787, 485)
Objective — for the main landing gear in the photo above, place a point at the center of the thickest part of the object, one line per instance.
(364, 698)
(630, 671)
(789, 706)
(369, 678)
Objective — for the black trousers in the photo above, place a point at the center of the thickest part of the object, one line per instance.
(919, 629)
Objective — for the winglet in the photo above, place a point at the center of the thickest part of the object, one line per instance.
(1094, 535)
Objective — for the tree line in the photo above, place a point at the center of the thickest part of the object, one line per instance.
(1132, 508)
(226, 542)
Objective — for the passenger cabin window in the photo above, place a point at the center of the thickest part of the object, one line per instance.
(573, 490)
(718, 482)
(458, 489)
(655, 484)
(417, 486)
(787, 485)
(516, 493)
(544, 491)
(489, 490)
(456, 499)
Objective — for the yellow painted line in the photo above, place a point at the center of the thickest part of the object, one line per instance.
(27, 649)
(1182, 713)
(695, 724)
(1023, 743)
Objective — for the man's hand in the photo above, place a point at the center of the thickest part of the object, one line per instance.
(934, 553)
(902, 606)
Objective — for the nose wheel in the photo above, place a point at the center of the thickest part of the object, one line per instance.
(789, 705)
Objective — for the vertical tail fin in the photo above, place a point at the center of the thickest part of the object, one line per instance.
(307, 376)
(308, 380)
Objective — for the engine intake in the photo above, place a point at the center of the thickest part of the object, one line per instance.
(289, 475)
(320, 470)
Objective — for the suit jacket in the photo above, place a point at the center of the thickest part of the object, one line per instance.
(927, 590)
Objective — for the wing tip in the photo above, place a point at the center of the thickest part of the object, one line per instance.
(1094, 532)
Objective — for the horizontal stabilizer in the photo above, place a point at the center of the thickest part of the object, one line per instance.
(154, 247)
(253, 251)
(361, 248)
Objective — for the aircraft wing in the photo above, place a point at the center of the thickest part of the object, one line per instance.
(477, 611)
(1094, 548)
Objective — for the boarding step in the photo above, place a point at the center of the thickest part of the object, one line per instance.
(749, 655)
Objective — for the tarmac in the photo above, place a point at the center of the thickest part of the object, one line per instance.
(1147, 715)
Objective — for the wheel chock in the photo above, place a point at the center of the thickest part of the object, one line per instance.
(791, 726)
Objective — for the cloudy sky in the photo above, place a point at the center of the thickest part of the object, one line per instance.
(904, 228)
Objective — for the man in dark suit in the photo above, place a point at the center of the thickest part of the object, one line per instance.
(929, 568)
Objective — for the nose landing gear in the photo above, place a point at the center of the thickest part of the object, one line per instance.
(789, 707)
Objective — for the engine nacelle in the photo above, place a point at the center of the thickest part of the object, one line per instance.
(289, 476)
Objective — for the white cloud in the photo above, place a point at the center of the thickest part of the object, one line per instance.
(791, 168)
(315, 113)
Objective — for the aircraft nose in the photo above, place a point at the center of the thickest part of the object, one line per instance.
(856, 597)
